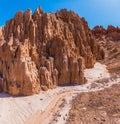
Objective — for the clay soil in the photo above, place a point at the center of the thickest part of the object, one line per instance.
(101, 107)
(113, 58)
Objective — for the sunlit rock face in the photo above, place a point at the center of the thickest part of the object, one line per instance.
(110, 34)
(43, 50)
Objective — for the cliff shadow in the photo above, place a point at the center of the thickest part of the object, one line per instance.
(6, 95)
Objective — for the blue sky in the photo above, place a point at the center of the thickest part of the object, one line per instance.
(96, 12)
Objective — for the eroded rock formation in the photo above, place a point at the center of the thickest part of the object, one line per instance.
(111, 33)
(109, 39)
(43, 50)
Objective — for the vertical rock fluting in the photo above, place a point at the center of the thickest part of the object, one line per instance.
(43, 50)
(110, 34)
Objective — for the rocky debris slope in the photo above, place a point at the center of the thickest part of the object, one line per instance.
(110, 39)
(100, 107)
(43, 50)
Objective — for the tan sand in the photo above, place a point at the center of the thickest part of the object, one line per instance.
(42, 108)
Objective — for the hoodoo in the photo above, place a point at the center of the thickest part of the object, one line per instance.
(43, 50)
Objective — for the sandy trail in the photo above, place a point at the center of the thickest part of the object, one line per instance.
(44, 117)
(54, 114)
(41, 108)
